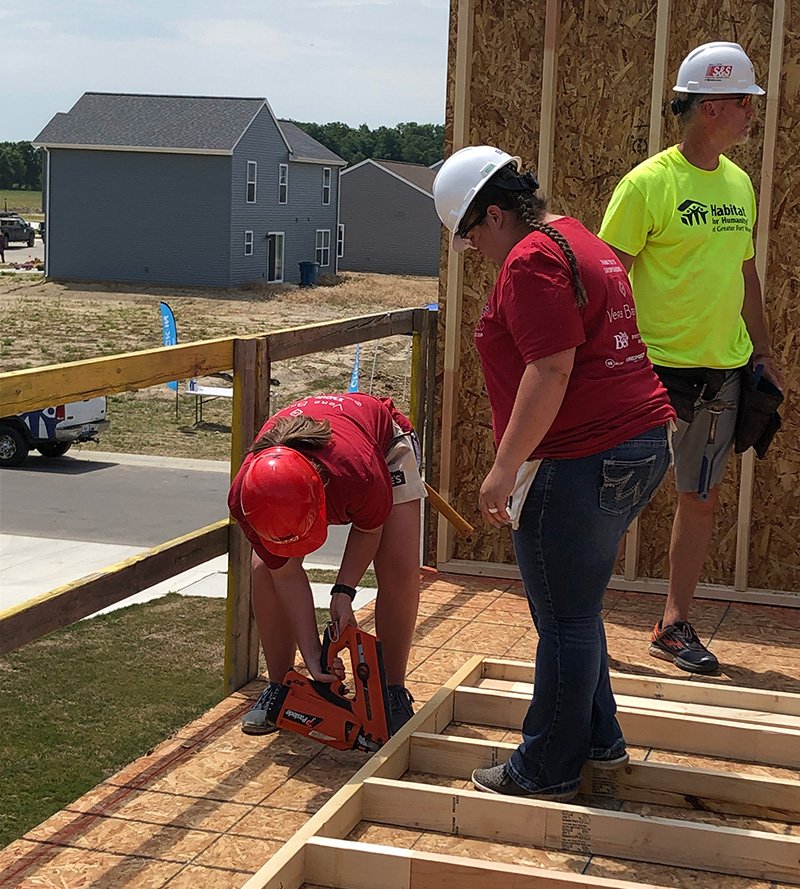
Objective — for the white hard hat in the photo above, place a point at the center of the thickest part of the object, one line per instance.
(715, 68)
(460, 178)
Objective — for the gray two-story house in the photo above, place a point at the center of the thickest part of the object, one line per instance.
(389, 219)
(194, 190)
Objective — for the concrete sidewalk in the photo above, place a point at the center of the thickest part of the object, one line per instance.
(31, 566)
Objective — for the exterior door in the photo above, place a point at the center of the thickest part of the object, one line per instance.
(275, 257)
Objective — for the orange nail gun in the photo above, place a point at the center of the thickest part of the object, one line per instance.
(324, 712)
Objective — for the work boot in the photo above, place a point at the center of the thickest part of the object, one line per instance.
(679, 643)
(497, 780)
(255, 721)
(400, 709)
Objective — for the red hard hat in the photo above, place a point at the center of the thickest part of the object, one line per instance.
(283, 499)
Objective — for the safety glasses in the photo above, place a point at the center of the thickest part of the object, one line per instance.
(741, 101)
(463, 232)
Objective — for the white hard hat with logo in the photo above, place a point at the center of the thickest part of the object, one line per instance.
(460, 178)
(717, 68)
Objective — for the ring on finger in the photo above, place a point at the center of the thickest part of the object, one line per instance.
(492, 509)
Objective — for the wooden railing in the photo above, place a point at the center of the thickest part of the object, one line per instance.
(251, 359)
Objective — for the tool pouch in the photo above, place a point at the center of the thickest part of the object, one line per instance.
(758, 419)
(688, 385)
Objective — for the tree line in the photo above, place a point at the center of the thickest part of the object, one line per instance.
(20, 166)
(416, 143)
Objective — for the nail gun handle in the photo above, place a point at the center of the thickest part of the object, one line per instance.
(328, 638)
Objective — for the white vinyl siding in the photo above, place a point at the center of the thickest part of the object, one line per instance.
(323, 252)
(283, 183)
(340, 241)
(326, 186)
(248, 243)
(252, 172)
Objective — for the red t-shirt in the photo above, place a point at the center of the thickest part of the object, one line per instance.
(358, 487)
(613, 393)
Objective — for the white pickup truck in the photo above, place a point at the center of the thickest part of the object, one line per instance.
(51, 430)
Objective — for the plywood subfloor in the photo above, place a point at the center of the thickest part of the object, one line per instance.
(208, 807)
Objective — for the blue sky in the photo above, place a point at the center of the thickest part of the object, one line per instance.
(377, 62)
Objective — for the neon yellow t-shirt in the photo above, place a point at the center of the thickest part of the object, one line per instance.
(690, 231)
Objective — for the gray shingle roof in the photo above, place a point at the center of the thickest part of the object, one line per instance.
(177, 123)
(306, 148)
(417, 174)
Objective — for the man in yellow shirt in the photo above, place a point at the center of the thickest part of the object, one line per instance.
(682, 224)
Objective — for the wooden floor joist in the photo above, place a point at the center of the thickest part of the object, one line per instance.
(728, 739)
(683, 691)
(714, 721)
(349, 865)
(571, 828)
(647, 782)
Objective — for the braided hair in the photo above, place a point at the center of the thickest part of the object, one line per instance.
(516, 192)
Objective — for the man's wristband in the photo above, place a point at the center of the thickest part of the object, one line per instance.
(343, 588)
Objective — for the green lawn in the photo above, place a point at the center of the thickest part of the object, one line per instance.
(21, 201)
(81, 703)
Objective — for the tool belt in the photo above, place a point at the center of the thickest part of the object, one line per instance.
(687, 386)
(758, 419)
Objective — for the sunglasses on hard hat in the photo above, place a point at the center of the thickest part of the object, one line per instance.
(741, 101)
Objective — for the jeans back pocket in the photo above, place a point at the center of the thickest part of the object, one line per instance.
(627, 484)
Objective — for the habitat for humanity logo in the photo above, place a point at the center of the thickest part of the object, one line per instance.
(693, 213)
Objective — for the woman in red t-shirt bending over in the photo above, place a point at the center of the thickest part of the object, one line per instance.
(331, 460)
(581, 429)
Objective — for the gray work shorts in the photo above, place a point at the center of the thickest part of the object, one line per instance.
(690, 442)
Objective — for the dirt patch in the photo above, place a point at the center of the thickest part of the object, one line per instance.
(50, 323)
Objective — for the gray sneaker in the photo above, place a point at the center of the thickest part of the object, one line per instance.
(497, 780)
(400, 709)
(255, 721)
(615, 761)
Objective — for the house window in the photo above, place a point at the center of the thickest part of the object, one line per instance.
(323, 256)
(283, 183)
(252, 167)
(340, 241)
(275, 257)
(248, 243)
(326, 185)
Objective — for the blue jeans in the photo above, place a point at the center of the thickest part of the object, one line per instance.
(570, 529)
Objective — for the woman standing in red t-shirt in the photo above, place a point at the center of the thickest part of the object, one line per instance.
(581, 429)
(331, 460)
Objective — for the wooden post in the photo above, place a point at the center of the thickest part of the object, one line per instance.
(455, 277)
(632, 537)
(251, 374)
(416, 399)
(431, 325)
(659, 78)
(547, 128)
(746, 479)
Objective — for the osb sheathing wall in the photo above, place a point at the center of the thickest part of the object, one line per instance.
(604, 80)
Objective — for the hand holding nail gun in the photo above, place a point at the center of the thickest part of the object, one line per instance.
(326, 712)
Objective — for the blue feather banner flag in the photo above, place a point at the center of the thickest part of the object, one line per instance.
(354, 375)
(170, 333)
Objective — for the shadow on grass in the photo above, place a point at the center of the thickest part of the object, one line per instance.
(203, 426)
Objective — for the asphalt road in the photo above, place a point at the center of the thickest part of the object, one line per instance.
(123, 499)
(19, 252)
(105, 501)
